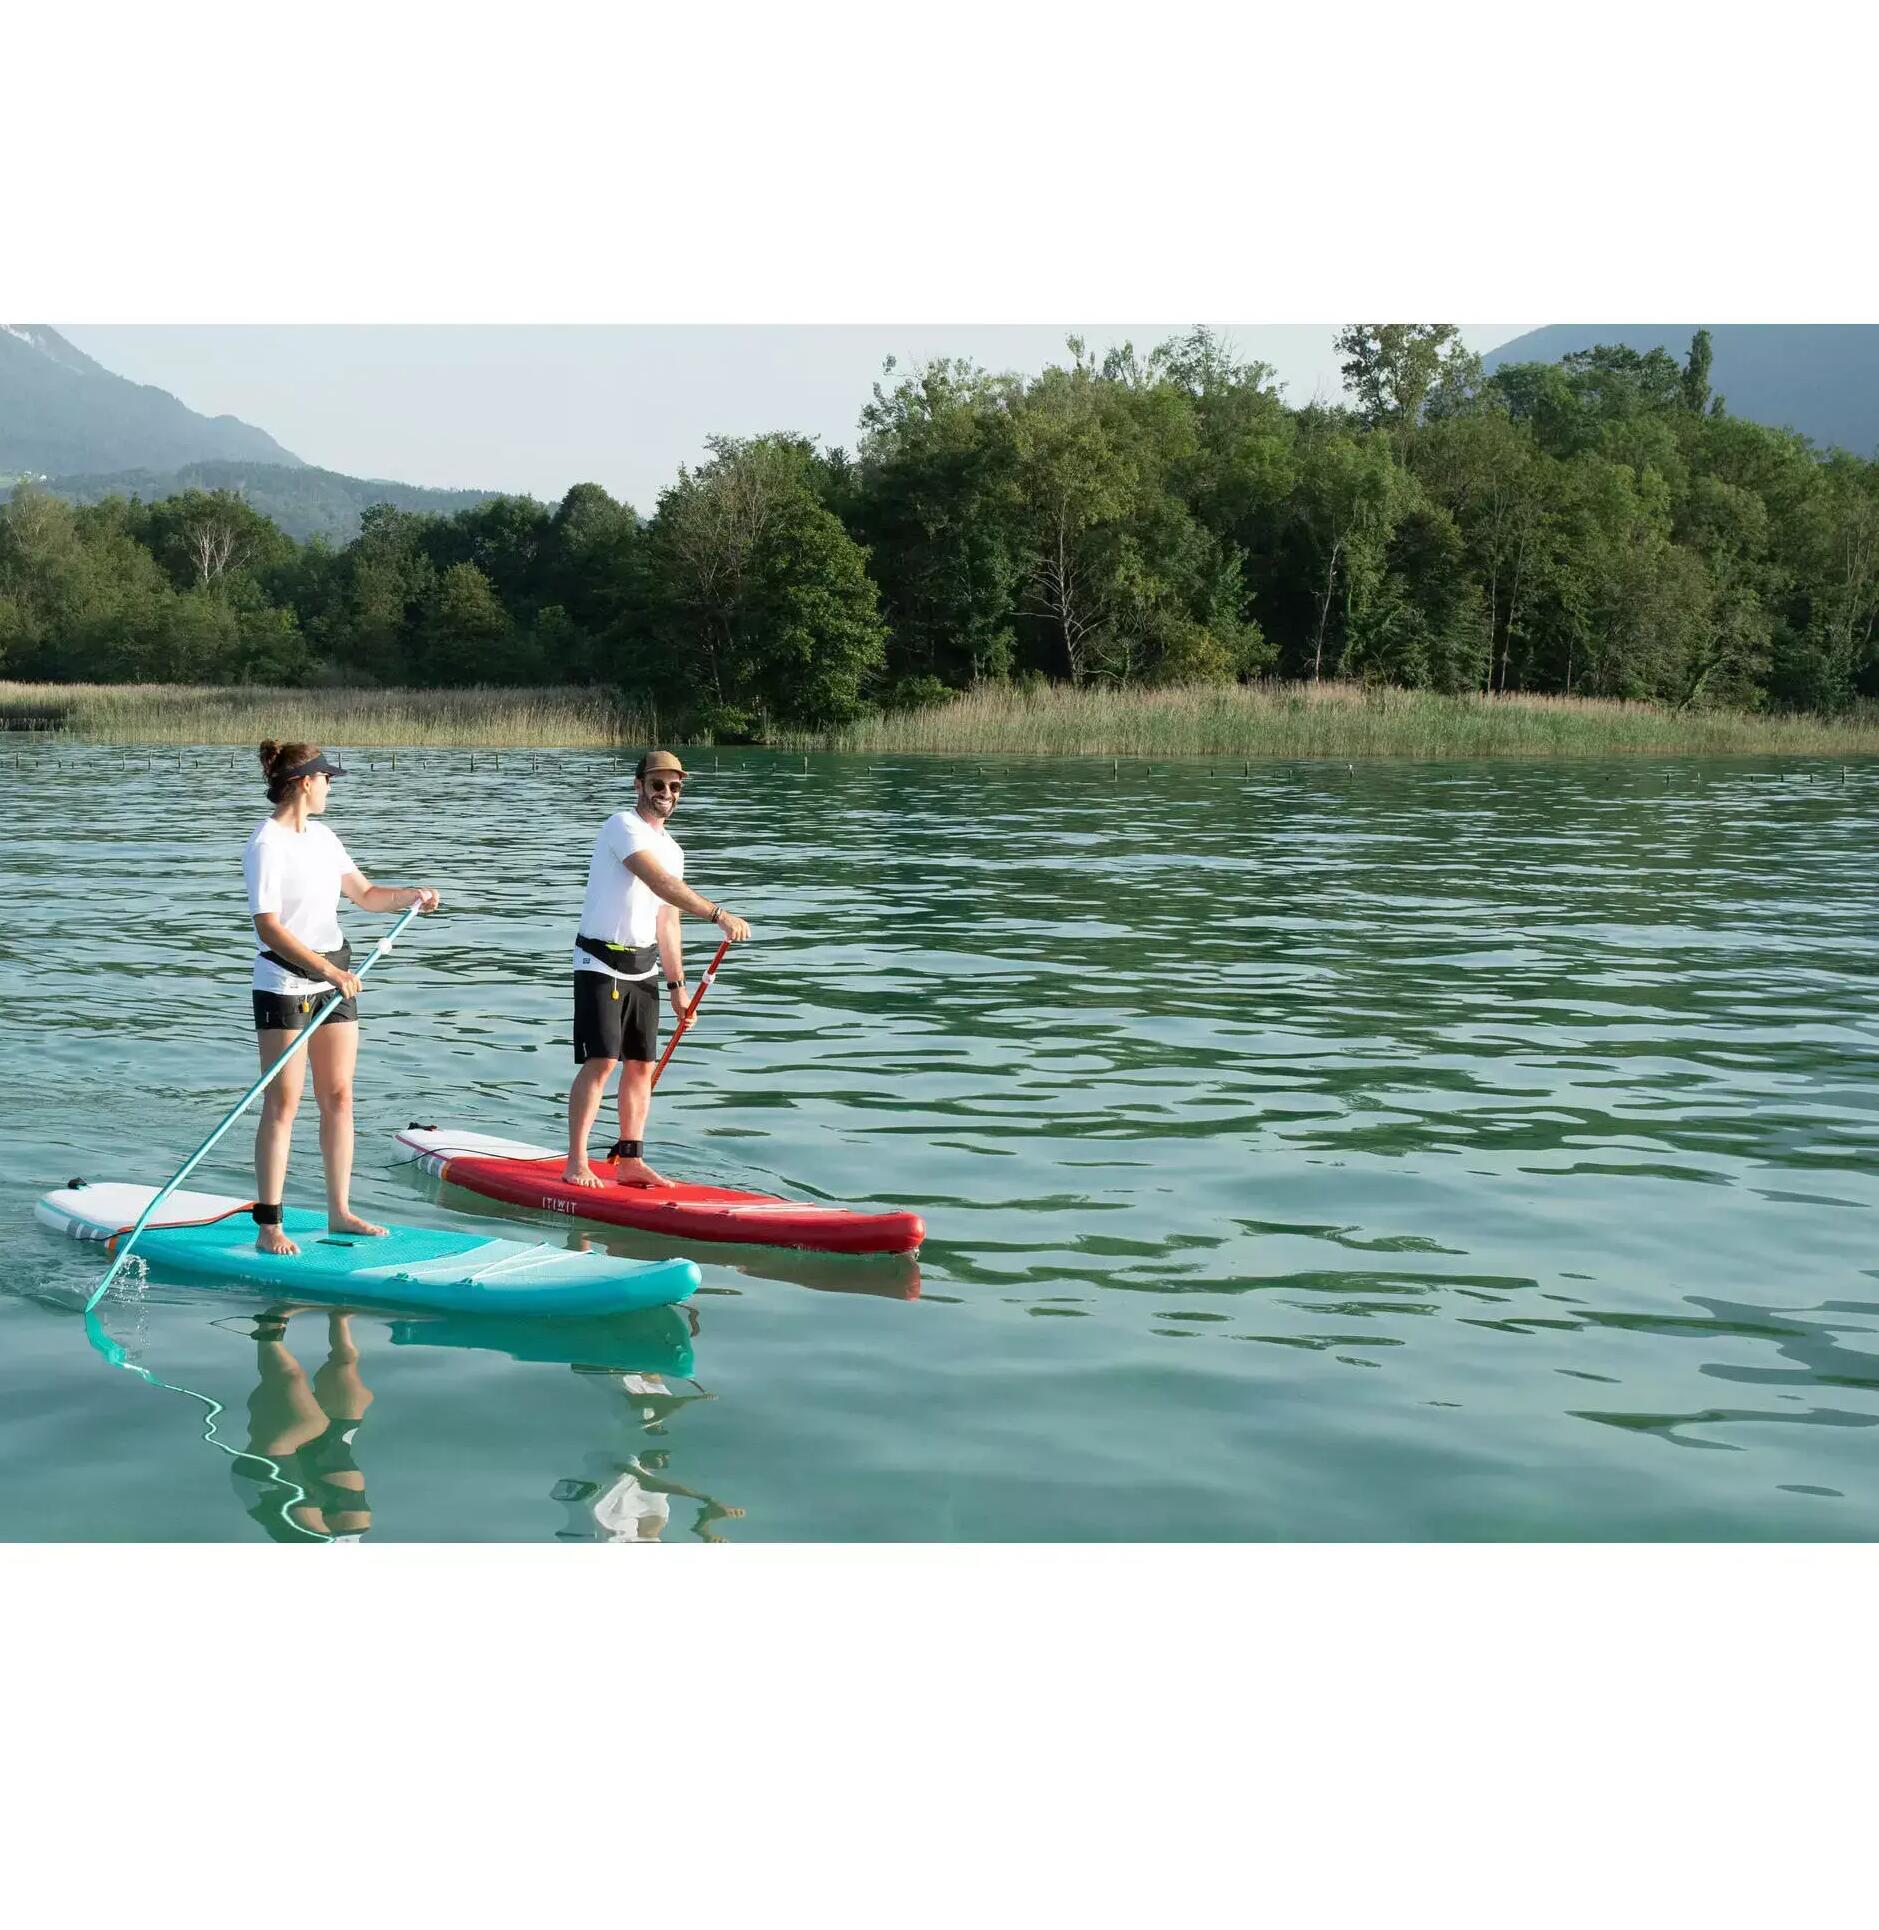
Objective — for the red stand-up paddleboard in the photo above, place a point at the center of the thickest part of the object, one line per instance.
(503, 1169)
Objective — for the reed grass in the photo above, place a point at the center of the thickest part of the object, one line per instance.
(563, 718)
(1330, 721)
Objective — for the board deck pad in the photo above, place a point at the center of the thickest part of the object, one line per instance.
(525, 1175)
(430, 1268)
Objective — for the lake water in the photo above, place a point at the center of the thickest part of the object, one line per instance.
(1406, 1151)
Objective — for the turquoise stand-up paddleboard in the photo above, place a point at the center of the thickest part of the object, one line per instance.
(212, 1237)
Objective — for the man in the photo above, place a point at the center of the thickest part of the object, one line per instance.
(630, 933)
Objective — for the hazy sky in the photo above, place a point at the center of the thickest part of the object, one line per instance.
(536, 409)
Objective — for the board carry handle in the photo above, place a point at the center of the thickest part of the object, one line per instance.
(241, 1105)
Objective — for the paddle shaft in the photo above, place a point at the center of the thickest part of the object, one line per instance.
(704, 985)
(267, 1078)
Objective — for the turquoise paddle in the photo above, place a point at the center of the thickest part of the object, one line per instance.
(267, 1078)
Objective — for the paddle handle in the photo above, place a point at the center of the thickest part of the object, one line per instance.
(267, 1078)
(685, 1024)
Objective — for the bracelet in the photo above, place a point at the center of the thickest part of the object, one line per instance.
(675, 985)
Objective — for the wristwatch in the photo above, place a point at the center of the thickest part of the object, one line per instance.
(675, 985)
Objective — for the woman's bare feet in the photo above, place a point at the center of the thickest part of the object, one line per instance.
(635, 1172)
(581, 1175)
(273, 1239)
(351, 1223)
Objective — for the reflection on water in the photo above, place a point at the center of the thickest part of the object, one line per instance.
(301, 1435)
(891, 1276)
(1400, 1151)
(630, 1497)
(300, 1478)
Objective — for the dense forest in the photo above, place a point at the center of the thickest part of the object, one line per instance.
(1597, 526)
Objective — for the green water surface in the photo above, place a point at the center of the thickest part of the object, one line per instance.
(1406, 1151)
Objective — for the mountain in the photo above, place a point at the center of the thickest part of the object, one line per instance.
(71, 426)
(1821, 378)
(302, 500)
(62, 412)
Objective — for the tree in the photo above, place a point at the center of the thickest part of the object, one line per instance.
(202, 537)
(1078, 484)
(590, 559)
(1391, 366)
(506, 538)
(386, 581)
(1426, 624)
(760, 601)
(1484, 469)
(815, 636)
(86, 596)
(269, 647)
(1540, 398)
(1833, 659)
(463, 630)
(705, 535)
(1696, 373)
(1350, 495)
(933, 494)
(1613, 381)
(1622, 611)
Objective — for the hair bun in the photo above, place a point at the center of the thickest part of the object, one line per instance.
(270, 751)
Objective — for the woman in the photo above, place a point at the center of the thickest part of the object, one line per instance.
(296, 870)
(301, 1435)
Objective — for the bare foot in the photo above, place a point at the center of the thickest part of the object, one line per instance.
(635, 1172)
(351, 1223)
(581, 1175)
(273, 1239)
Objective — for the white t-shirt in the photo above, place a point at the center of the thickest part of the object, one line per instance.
(619, 908)
(294, 876)
(628, 1512)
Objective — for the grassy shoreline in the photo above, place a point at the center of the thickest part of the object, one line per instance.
(1329, 721)
(1199, 720)
(561, 718)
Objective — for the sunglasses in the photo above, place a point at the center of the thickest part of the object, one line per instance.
(675, 786)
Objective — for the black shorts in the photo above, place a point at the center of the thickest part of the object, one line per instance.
(288, 1011)
(615, 1018)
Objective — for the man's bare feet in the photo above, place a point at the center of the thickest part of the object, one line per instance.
(635, 1172)
(581, 1175)
(351, 1223)
(273, 1239)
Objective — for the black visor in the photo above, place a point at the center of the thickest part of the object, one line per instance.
(316, 767)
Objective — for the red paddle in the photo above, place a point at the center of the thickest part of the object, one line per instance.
(704, 985)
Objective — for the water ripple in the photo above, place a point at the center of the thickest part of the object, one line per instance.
(1405, 1151)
